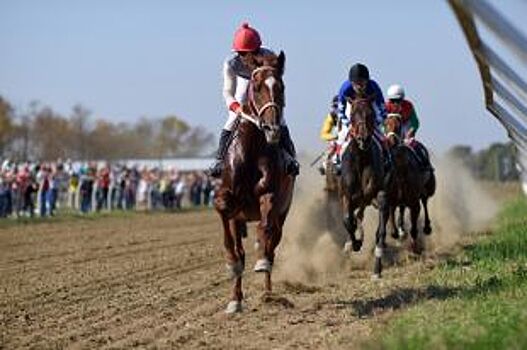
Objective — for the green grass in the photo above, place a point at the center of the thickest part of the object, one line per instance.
(67, 215)
(477, 300)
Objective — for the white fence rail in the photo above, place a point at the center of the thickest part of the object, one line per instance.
(505, 90)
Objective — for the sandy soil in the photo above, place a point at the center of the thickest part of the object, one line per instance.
(158, 281)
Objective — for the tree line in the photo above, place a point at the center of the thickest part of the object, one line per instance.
(40, 133)
(496, 162)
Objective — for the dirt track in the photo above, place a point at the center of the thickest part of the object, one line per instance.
(158, 281)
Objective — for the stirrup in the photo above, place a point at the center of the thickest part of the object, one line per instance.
(215, 169)
(293, 168)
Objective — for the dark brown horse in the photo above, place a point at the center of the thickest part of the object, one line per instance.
(362, 180)
(410, 186)
(255, 186)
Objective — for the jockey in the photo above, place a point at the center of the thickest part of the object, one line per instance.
(359, 85)
(397, 103)
(329, 131)
(236, 76)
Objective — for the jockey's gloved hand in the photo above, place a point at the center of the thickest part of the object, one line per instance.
(236, 107)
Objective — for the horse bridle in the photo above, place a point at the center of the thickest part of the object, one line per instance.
(258, 111)
(393, 133)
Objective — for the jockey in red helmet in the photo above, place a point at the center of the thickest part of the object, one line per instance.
(236, 76)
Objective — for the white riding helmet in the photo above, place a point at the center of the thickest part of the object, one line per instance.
(395, 92)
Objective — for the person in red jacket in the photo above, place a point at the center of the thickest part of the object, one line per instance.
(237, 71)
(398, 104)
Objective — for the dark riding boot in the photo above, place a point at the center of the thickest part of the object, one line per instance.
(423, 158)
(387, 159)
(292, 167)
(225, 139)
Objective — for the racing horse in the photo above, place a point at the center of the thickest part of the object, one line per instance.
(362, 180)
(411, 183)
(254, 183)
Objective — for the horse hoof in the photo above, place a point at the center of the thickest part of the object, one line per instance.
(262, 265)
(234, 270)
(347, 247)
(376, 277)
(401, 232)
(234, 306)
(427, 230)
(357, 245)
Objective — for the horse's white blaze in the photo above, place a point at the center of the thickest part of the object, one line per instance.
(270, 81)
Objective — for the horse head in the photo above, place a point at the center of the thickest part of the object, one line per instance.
(266, 95)
(392, 129)
(362, 121)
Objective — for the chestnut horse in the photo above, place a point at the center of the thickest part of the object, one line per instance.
(362, 180)
(255, 185)
(411, 184)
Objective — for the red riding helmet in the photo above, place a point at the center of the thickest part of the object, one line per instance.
(246, 39)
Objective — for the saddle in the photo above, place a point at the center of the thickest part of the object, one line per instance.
(420, 153)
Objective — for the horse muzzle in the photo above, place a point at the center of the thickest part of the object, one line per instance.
(272, 133)
(361, 142)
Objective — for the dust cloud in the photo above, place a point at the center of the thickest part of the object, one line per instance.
(311, 250)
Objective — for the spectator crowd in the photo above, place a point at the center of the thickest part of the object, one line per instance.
(44, 189)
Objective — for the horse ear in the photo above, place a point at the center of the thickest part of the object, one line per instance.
(281, 62)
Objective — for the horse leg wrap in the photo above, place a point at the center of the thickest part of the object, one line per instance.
(348, 246)
(263, 265)
(378, 252)
(233, 306)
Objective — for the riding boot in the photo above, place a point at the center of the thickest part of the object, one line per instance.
(424, 160)
(225, 139)
(337, 164)
(387, 159)
(292, 166)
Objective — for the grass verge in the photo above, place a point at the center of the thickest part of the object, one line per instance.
(477, 300)
(67, 215)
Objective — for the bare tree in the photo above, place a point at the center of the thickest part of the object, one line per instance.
(80, 123)
(6, 125)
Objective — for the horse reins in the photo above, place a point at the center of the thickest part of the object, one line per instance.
(393, 133)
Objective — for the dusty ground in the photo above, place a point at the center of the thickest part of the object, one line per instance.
(158, 281)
